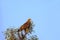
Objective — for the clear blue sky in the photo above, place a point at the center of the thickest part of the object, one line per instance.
(44, 13)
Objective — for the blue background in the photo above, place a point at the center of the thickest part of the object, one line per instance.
(44, 13)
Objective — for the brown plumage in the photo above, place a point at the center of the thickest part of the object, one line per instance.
(25, 26)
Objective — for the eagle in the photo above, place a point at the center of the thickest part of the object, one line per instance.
(27, 26)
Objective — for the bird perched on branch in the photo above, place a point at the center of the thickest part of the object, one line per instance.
(26, 26)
